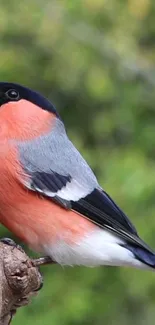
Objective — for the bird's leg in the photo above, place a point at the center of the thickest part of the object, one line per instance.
(36, 262)
(43, 261)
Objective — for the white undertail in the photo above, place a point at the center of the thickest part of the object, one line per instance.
(98, 248)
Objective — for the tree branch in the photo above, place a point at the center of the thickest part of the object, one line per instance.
(19, 280)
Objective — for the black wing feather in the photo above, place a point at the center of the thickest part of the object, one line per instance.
(52, 181)
(100, 207)
(102, 210)
(96, 206)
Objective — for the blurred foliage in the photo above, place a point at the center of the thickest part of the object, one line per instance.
(95, 59)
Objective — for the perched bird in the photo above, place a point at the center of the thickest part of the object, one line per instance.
(49, 196)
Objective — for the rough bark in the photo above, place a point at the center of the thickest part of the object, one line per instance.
(19, 281)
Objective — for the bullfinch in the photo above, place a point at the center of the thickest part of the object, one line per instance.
(50, 197)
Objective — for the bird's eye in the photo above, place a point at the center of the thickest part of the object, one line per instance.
(12, 94)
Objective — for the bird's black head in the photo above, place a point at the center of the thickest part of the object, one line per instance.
(12, 92)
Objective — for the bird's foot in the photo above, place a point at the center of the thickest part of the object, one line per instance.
(8, 241)
(11, 242)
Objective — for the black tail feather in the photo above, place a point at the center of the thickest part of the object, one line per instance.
(142, 254)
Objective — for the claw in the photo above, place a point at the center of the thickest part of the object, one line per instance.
(11, 242)
(8, 241)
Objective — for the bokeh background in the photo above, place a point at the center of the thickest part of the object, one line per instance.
(95, 59)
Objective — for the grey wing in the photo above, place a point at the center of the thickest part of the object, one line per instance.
(55, 166)
(57, 170)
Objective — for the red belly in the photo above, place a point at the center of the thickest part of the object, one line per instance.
(31, 217)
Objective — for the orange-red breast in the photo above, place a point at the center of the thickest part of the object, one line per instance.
(49, 196)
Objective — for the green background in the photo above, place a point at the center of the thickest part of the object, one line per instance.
(95, 59)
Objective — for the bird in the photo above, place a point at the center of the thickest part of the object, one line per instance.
(49, 196)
